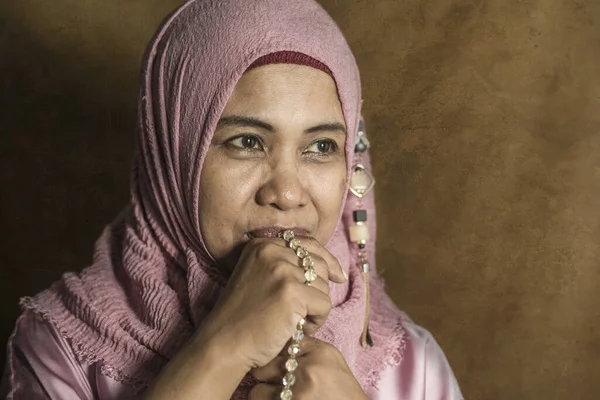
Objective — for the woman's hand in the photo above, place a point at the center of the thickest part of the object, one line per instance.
(252, 321)
(322, 373)
(266, 297)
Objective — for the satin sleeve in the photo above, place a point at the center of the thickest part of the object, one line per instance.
(423, 374)
(41, 365)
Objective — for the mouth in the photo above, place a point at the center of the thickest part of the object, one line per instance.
(275, 231)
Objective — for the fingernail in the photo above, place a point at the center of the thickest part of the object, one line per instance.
(345, 274)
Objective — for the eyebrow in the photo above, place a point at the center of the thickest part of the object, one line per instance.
(239, 121)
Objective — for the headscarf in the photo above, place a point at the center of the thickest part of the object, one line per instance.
(152, 280)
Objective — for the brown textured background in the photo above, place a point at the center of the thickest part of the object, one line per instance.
(485, 123)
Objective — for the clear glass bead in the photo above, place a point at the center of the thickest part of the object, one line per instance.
(288, 235)
(308, 262)
(294, 244)
(301, 252)
(310, 275)
(298, 335)
(289, 379)
(291, 365)
(294, 349)
(286, 394)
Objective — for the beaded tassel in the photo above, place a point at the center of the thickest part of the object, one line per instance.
(361, 183)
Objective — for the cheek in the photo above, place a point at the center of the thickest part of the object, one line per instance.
(328, 192)
(211, 210)
(342, 183)
(224, 191)
(224, 186)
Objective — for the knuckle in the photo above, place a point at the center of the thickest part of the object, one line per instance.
(311, 377)
(262, 248)
(326, 302)
(311, 241)
(324, 263)
(318, 261)
(325, 285)
(287, 292)
(278, 269)
(328, 351)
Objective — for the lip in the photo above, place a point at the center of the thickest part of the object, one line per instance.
(274, 231)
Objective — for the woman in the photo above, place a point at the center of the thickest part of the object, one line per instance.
(240, 234)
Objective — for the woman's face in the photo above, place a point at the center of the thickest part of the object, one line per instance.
(276, 160)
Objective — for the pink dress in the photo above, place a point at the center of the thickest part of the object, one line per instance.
(42, 365)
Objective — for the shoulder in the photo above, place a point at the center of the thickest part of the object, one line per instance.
(418, 338)
(41, 360)
(423, 373)
(33, 335)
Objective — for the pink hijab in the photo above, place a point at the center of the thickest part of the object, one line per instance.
(152, 280)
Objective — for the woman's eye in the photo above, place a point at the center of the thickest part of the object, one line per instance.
(246, 142)
(322, 146)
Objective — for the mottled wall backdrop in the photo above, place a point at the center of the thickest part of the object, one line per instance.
(485, 123)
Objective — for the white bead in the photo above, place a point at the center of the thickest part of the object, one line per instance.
(294, 349)
(310, 275)
(298, 335)
(308, 262)
(301, 252)
(288, 235)
(291, 365)
(294, 244)
(360, 181)
(288, 380)
(359, 233)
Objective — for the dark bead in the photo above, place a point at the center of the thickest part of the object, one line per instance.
(369, 339)
(361, 245)
(359, 215)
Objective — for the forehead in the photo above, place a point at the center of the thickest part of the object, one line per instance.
(286, 92)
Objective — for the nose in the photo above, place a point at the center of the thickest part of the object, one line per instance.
(283, 189)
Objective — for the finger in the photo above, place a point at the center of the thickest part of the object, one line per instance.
(335, 272)
(318, 306)
(288, 258)
(319, 265)
(319, 283)
(310, 344)
(325, 264)
(307, 344)
(265, 391)
(273, 371)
